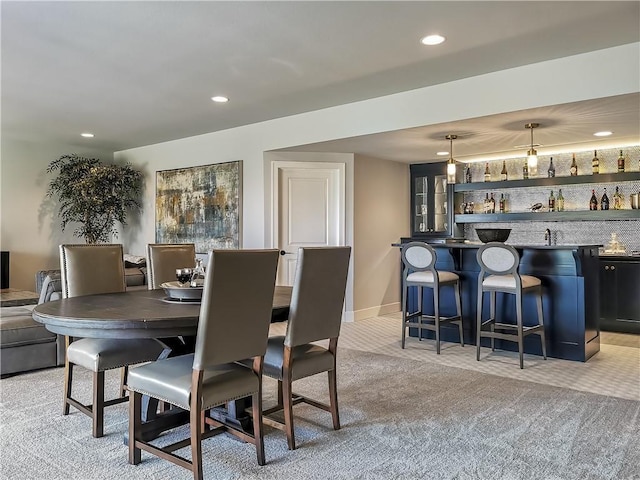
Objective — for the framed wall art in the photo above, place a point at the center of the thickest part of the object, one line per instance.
(200, 205)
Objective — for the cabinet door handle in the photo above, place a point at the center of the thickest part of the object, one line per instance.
(613, 267)
(606, 267)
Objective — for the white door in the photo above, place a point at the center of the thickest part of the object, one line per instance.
(308, 210)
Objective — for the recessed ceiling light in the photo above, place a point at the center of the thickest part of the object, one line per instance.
(87, 135)
(220, 99)
(441, 154)
(605, 133)
(432, 40)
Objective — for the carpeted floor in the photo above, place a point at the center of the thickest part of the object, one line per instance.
(401, 418)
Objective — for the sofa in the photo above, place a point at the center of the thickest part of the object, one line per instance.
(26, 344)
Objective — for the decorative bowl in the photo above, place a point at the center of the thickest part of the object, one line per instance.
(487, 235)
(183, 293)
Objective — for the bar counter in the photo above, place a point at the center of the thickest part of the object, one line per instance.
(570, 302)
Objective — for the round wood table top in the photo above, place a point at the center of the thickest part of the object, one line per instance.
(132, 314)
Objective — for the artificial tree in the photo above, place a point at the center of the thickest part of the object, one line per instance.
(94, 195)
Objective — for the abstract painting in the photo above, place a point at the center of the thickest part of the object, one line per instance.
(200, 205)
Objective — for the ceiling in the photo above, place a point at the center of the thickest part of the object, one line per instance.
(139, 73)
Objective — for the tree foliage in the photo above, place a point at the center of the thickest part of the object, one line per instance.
(94, 195)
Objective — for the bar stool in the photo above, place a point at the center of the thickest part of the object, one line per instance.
(501, 263)
(419, 261)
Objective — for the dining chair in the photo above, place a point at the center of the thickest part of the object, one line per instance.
(419, 261)
(163, 259)
(87, 270)
(499, 273)
(234, 324)
(317, 301)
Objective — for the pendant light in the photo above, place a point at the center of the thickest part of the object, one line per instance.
(532, 155)
(451, 164)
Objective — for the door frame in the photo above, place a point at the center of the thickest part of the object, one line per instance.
(276, 166)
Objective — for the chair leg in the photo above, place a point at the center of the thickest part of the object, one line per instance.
(333, 399)
(541, 322)
(97, 409)
(519, 320)
(258, 431)
(456, 286)
(288, 413)
(68, 380)
(124, 371)
(436, 315)
(195, 427)
(280, 394)
(135, 424)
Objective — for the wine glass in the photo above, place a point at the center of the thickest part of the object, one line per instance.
(184, 276)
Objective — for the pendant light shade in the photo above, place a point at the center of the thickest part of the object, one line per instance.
(451, 164)
(532, 154)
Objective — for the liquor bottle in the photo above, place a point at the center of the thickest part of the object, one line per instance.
(503, 203)
(551, 171)
(593, 203)
(618, 200)
(525, 170)
(486, 208)
(595, 163)
(621, 163)
(573, 169)
(503, 173)
(492, 204)
(552, 202)
(467, 174)
(604, 201)
(487, 173)
(560, 202)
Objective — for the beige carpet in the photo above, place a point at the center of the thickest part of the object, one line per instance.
(402, 418)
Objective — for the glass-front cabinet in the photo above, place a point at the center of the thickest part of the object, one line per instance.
(431, 201)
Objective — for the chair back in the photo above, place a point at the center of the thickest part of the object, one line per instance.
(418, 257)
(163, 259)
(317, 297)
(91, 269)
(237, 301)
(497, 258)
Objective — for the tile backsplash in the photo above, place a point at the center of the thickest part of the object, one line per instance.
(576, 198)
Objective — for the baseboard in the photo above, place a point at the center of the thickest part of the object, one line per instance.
(376, 311)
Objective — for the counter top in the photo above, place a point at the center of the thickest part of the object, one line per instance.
(530, 246)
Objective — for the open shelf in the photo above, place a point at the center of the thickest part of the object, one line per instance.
(580, 215)
(536, 182)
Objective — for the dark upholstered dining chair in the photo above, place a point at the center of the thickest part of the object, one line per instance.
(88, 270)
(163, 259)
(317, 301)
(234, 324)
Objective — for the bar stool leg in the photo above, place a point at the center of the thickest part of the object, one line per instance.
(492, 315)
(404, 312)
(436, 315)
(519, 320)
(456, 286)
(479, 322)
(541, 322)
(420, 313)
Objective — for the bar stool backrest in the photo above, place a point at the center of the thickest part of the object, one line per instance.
(418, 256)
(497, 258)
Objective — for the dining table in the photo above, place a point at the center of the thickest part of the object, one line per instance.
(146, 314)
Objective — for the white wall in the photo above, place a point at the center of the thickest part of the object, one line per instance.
(30, 229)
(381, 205)
(603, 73)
